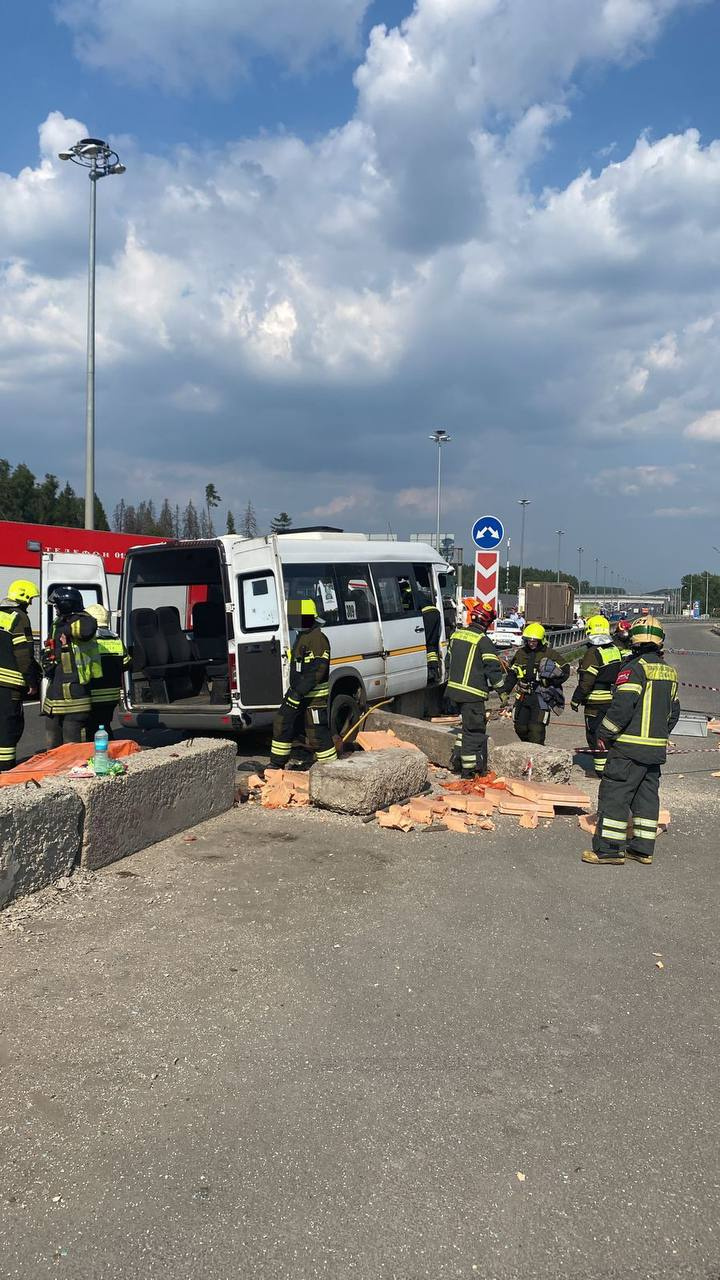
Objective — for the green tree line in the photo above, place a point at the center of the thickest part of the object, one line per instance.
(23, 497)
(698, 586)
(509, 583)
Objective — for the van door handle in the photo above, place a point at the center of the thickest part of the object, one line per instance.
(419, 629)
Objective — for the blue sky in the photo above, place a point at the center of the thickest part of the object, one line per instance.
(375, 252)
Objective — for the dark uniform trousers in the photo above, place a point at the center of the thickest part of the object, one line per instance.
(66, 728)
(12, 723)
(643, 712)
(530, 720)
(472, 743)
(627, 787)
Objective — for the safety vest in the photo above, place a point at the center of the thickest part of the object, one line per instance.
(311, 649)
(77, 663)
(108, 689)
(474, 667)
(651, 689)
(11, 676)
(605, 663)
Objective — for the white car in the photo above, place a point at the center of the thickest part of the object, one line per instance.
(506, 634)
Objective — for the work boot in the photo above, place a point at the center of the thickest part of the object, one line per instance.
(468, 773)
(645, 858)
(604, 859)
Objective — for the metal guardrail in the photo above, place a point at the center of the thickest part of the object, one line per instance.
(568, 639)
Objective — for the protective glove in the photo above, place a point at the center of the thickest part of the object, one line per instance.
(575, 706)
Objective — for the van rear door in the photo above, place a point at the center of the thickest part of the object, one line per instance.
(62, 569)
(261, 631)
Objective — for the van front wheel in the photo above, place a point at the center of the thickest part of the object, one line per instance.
(345, 710)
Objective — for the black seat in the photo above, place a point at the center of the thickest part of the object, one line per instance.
(362, 606)
(210, 640)
(182, 682)
(150, 653)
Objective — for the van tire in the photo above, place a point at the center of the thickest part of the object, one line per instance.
(345, 710)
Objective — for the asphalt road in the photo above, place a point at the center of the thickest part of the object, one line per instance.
(294, 1045)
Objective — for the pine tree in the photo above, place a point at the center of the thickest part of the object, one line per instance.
(230, 523)
(178, 526)
(67, 508)
(119, 517)
(47, 496)
(101, 520)
(212, 500)
(249, 524)
(281, 523)
(131, 520)
(190, 522)
(165, 525)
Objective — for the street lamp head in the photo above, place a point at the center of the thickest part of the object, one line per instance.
(117, 168)
(440, 437)
(65, 155)
(95, 155)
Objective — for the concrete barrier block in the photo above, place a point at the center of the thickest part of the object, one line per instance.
(40, 836)
(164, 791)
(363, 783)
(437, 741)
(549, 764)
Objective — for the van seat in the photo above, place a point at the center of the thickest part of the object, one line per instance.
(208, 619)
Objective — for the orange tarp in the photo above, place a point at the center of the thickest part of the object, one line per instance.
(62, 760)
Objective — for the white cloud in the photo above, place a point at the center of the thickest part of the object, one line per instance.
(295, 316)
(684, 513)
(706, 427)
(210, 42)
(632, 480)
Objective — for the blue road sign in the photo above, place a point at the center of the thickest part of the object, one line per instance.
(487, 533)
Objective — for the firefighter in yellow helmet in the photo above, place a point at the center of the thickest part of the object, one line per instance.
(71, 662)
(19, 672)
(597, 670)
(536, 674)
(106, 688)
(308, 695)
(635, 728)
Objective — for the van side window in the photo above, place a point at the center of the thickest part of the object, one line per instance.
(394, 585)
(314, 582)
(356, 593)
(424, 580)
(258, 602)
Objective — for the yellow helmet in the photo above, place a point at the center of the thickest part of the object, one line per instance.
(100, 614)
(647, 631)
(534, 631)
(308, 609)
(23, 591)
(597, 625)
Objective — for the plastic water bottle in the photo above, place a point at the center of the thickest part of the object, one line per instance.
(101, 758)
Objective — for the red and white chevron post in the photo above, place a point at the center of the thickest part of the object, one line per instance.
(487, 577)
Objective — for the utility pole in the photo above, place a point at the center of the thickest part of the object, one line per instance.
(597, 580)
(580, 556)
(101, 161)
(559, 533)
(707, 593)
(507, 569)
(440, 438)
(523, 502)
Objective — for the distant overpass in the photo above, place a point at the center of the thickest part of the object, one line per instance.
(630, 603)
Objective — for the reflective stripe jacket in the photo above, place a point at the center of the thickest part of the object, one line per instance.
(310, 666)
(10, 675)
(597, 670)
(644, 709)
(522, 670)
(114, 659)
(15, 621)
(432, 623)
(474, 666)
(73, 665)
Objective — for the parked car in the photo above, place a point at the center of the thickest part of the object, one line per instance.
(506, 634)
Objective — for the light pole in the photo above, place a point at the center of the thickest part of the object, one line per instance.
(580, 556)
(507, 569)
(559, 533)
(707, 593)
(440, 438)
(100, 159)
(523, 503)
(604, 581)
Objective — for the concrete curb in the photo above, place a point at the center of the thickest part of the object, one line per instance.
(40, 837)
(164, 791)
(43, 831)
(437, 741)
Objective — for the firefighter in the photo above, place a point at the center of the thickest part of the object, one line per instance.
(432, 622)
(597, 670)
(18, 659)
(70, 662)
(537, 674)
(106, 689)
(474, 671)
(635, 728)
(621, 638)
(309, 690)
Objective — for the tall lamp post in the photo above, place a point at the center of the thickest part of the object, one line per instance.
(523, 503)
(597, 580)
(559, 533)
(100, 160)
(440, 438)
(580, 556)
